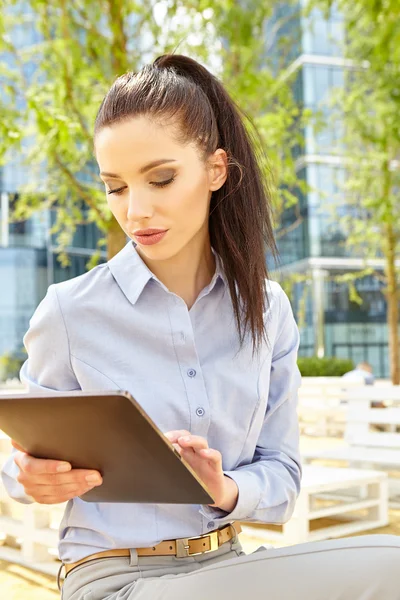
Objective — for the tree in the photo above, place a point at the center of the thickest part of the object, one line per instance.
(59, 81)
(248, 32)
(369, 106)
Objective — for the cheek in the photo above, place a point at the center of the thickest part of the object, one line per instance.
(115, 207)
(192, 203)
(118, 207)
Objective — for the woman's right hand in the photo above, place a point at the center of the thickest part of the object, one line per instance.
(43, 480)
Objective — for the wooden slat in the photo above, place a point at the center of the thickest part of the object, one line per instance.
(374, 441)
(342, 508)
(381, 416)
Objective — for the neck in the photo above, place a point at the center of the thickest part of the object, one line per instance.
(186, 273)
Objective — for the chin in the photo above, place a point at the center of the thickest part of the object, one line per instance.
(156, 252)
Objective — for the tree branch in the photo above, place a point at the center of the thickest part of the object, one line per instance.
(79, 188)
(67, 76)
(289, 228)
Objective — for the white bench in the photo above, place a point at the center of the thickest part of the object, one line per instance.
(321, 410)
(324, 403)
(28, 532)
(331, 494)
(366, 446)
(30, 535)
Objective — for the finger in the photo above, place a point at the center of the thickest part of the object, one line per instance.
(177, 448)
(57, 499)
(17, 446)
(196, 442)
(174, 435)
(213, 456)
(39, 466)
(77, 477)
(53, 499)
(58, 491)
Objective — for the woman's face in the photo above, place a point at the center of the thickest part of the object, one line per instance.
(172, 196)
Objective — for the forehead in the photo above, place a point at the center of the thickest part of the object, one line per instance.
(139, 139)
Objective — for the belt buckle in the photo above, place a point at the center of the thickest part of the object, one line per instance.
(182, 545)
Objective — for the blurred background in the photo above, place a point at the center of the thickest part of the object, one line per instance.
(320, 81)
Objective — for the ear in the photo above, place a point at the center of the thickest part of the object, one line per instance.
(218, 169)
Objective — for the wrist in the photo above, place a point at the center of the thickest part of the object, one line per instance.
(230, 496)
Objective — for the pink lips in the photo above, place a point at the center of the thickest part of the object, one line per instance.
(148, 237)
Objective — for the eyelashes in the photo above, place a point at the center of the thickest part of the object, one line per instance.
(118, 191)
(159, 184)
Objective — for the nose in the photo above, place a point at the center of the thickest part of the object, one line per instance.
(138, 208)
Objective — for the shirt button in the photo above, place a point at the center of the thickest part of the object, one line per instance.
(191, 373)
(211, 525)
(200, 411)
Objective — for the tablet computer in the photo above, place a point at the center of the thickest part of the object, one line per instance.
(109, 432)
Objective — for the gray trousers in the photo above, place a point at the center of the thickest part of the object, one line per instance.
(356, 568)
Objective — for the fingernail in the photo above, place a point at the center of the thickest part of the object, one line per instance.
(186, 438)
(63, 467)
(93, 478)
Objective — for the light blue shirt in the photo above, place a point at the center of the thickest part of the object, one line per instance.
(118, 327)
(360, 375)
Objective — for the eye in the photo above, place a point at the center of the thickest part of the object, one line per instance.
(118, 191)
(163, 183)
(160, 184)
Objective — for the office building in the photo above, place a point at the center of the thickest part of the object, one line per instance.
(28, 256)
(316, 248)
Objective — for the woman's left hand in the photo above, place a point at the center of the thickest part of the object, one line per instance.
(207, 464)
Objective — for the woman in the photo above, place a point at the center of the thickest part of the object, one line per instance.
(188, 321)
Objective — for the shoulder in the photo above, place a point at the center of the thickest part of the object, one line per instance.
(84, 283)
(349, 374)
(85, 291)
(277, 301)
(73, 293)
(70, 293)
(280, 320)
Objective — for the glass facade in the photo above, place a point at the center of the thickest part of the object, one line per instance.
(23, 277)
(321, 36)
(28, 262)
(28, 265)
(316, 248)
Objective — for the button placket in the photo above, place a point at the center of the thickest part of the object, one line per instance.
(199, 405)
(186, 353)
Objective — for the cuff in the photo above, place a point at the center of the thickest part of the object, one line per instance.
(248, 499)
(13, 488)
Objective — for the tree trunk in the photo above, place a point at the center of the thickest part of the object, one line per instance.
(392, 296)
(116, 238)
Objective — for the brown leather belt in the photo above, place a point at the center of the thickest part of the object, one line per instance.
(180, 548)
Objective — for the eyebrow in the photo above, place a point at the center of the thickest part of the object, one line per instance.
(154, 163)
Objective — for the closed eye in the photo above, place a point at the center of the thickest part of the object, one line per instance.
(159, 184)
(117, 191)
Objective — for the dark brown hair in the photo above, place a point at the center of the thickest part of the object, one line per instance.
(177, 87)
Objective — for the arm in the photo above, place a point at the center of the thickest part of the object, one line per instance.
(48, 369)
(269, 486)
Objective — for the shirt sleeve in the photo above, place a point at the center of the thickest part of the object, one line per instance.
(269, 486)
(47, 369)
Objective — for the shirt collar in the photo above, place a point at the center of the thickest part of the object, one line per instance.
(132, 274)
